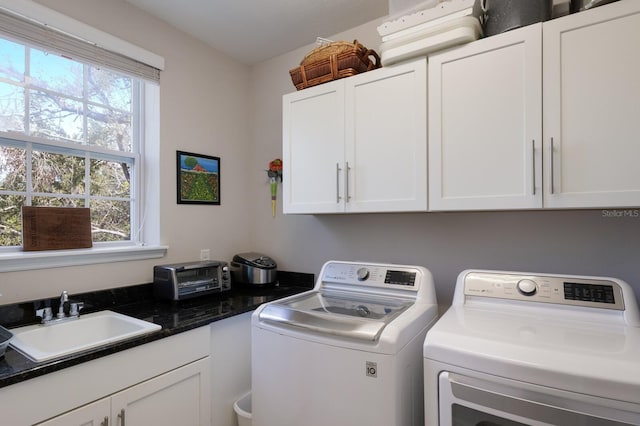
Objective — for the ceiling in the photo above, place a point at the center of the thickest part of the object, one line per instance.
(253, 31)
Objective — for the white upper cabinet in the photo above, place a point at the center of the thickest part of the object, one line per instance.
(386, 139)
(485, 123)
(313, 149)
(543, 116)
(358, 144)
(592, 107)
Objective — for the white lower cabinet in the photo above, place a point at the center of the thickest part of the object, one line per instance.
(164, 382)
(230, 366)
(167, 400)
(95, 414)
(175, 398)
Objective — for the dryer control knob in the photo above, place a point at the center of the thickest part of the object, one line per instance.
(362, 274)
(527, 287)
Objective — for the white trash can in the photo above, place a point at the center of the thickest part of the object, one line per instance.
(242, 407)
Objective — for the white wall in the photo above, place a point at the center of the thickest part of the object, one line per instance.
(204, 101)
(240, 120)
(576, 242)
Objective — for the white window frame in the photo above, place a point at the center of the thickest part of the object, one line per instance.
(147, 186)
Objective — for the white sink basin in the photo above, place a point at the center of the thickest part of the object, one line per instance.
(44, 343)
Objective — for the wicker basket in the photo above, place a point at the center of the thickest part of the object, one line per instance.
(336, 60)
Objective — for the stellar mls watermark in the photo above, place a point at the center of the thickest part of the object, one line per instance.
(621, 213)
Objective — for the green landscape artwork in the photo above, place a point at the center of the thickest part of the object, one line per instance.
(198, 178)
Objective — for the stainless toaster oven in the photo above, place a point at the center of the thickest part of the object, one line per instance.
(191, 279)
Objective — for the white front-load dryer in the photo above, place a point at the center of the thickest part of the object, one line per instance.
(520, 348)
(348, 352)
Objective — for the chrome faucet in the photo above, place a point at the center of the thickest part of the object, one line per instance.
(73, 309)
(64, 303)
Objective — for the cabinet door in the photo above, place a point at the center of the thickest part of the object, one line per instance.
(485, 124)
(592, 107)
(313, 149)
(179, 397)
(386, 139)
(94, 414)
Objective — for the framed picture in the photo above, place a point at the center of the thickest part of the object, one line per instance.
(198, 178)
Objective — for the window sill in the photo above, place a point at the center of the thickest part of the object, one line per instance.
(25, 261)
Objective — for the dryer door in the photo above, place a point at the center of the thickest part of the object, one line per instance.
(467, 401)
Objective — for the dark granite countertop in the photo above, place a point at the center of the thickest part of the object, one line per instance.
(138, 302)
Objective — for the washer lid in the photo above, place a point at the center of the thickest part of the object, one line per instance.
(336, 313)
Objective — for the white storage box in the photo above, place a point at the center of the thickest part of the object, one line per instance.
(459, 31)
(418, 19)
(447, 24)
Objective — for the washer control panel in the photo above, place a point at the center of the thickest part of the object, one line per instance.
(546, 289)
(373, 275)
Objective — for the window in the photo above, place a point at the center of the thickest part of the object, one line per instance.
(73, 122)
(69, 138)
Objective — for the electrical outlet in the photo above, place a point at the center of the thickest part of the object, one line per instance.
(205, 254)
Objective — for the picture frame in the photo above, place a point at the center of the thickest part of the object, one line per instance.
(198, 178)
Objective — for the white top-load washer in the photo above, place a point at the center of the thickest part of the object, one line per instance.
(534, 349)
(348, 352)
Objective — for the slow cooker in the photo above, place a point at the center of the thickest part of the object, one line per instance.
(253, 268)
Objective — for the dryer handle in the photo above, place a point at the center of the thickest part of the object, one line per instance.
(546, 405)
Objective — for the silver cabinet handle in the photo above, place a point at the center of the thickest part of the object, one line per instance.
(121, 417)
(533, 155)
(338, 183)
(105, 422)
(552, 166)
(346, 181)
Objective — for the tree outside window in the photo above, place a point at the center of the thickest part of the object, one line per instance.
(68, 137)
